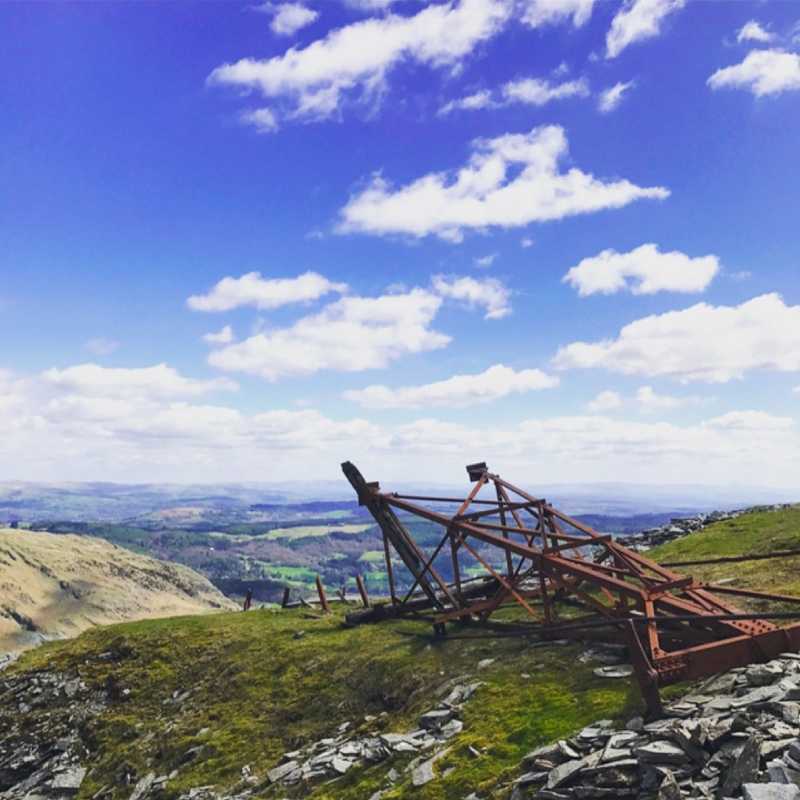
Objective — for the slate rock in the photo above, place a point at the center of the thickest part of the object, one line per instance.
(770, 791)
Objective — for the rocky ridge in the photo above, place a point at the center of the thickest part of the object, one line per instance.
(681, 526)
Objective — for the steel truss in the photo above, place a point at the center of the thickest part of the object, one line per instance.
(676, 628)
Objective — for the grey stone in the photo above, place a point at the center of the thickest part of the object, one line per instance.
(770, 791)
(435, 719)
(661, 752)
(621, 671)
(143, 786)
(669, 789)
(744, 769)
(280, 772)
(69, 781)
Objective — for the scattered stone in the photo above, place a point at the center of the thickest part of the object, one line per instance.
(621, 671)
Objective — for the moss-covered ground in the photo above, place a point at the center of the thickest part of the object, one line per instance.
(258, 689)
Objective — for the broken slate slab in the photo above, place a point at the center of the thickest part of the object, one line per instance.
(621, 671)
(770, 791)
(661, 752)
(280, 772)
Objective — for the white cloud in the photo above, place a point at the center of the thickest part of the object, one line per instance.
(509, 181)
(264, 293)
(262, 119)
(222, 336)
(753, 32)
(484, 262)
(707, 343)
(536, 13)
(651, 402)
(487, 293)
(159, 381)
(645, 270)
(538, 92)
(605, 401)
(472, 102)
(460, 391)
(349, 335)
(49, 431)
(763, 72)
(638, 20)
(610, 99)
(101, 346)
(750, 422)
(526, 242)
(526, 91)
(291, 17)
(353, 61)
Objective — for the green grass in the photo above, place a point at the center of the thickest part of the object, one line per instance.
(372, 556)
(749, 534)
(262, 692)
(306, 531)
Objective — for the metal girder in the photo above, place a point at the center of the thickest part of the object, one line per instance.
(676, 628)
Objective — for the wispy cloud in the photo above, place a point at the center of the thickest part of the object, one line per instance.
(610, 99)
(638, 20)
(459, 391)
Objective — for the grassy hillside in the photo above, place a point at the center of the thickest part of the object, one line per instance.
(259, 689)
(749, 534)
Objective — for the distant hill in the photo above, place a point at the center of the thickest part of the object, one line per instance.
(55, 586)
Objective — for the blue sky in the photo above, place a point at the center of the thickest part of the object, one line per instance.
(440, 169)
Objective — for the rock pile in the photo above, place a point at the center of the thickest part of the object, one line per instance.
(334, 756)
(736, 736)
(681, 526)
(42, 757)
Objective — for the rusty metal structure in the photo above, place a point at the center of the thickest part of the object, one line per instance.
(676, 628)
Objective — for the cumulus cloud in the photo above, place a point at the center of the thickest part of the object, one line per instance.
(636, 21)
(291, 17)
(460, 391)
(763, 72)
(644, 270)
(752, 31)
(708, 343)
(487, 293)
(526, 91)
(101, 346)
(264, 293)
(349, 335)
(353, 61)
(611, 98)
(607, 400)
(156, 381)
(509, 181)
(222, 336)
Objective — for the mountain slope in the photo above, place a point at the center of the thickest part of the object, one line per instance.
(55, 586)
